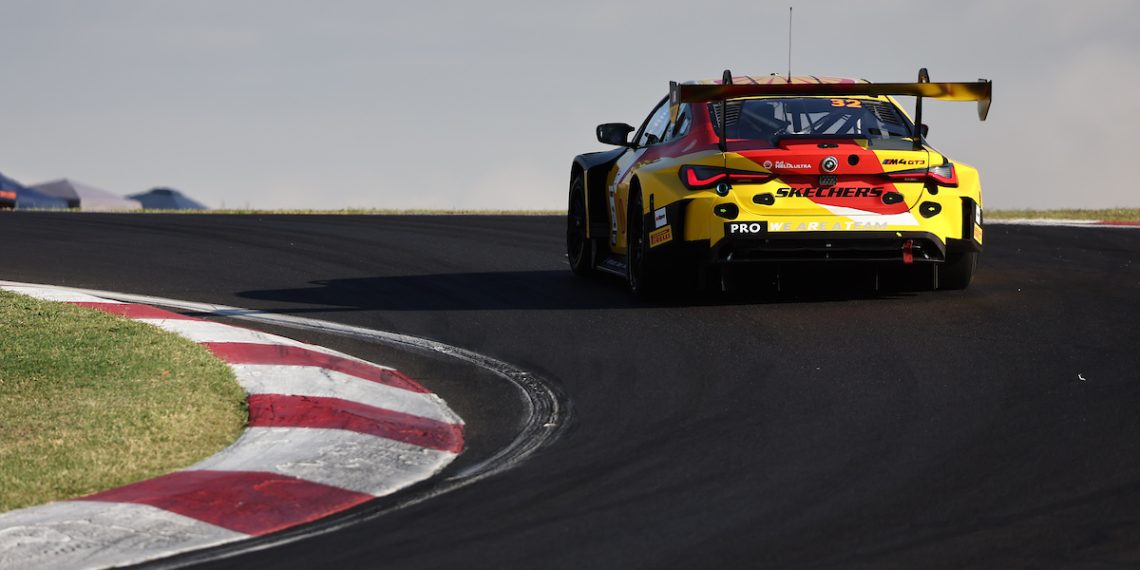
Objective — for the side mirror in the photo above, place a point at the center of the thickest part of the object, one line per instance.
(924, 129)
(615, 134)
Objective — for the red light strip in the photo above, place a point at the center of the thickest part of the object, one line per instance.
(693, 180)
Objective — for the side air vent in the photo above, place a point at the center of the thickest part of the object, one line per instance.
(733, 111)
(883, 112)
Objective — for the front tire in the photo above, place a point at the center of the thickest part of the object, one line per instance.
(580, 250)
(958, 270)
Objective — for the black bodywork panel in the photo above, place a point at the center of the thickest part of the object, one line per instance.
(596, 165)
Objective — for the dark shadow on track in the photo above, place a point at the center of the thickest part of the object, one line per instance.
(560, 290)
(507, 290)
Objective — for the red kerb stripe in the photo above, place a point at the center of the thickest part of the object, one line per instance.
(250, 353)
(132, 311)
(244, 501)
(1116, 223)
(275, 410)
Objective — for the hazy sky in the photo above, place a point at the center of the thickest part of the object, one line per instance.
(288, 104)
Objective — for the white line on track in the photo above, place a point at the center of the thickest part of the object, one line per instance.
(1061, 223)
(57, 295)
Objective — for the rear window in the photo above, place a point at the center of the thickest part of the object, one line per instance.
(776, 118)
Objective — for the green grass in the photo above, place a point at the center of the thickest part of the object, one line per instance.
(90, 401)
(1112, 214)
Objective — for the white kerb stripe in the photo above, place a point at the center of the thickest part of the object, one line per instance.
(208, 331)
(349, 460)
(325, 383)
(93, 534)
(57, 295)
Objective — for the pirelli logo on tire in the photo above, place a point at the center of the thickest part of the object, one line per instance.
(663, 235)
(745, 228)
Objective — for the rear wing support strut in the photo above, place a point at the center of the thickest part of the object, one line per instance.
(923, 77)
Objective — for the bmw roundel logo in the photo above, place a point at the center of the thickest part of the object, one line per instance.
(829, 164)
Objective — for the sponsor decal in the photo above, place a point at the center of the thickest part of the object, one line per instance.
(7, 195)
(978, 234)
(830, 192)
(661, 236)
(904, 161)
(745, 228)
(825, 226)
(782, 164)
(829, 164)
(767, 164)
(978, 216)
(659, 218)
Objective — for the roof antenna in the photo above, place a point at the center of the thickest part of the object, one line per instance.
(789, 44)
(725, 79)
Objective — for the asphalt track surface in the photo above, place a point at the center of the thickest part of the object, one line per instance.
(822, 427)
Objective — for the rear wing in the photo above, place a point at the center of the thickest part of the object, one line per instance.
(980, 91)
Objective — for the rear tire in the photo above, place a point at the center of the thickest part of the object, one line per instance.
(580, 250)
(958, 270)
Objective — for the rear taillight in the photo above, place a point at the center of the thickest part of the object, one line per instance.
(697, 177)
(943, 175)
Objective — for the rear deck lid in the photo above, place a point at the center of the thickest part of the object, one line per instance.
(819, 177)
(830, 156)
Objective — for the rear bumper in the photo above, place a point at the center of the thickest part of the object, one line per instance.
(815, 247)
(923, 247)
(697, 237)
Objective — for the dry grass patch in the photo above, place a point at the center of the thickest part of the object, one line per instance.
(92, 401)
(1110, 214)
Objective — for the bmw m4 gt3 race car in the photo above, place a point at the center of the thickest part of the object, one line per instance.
(774, 170)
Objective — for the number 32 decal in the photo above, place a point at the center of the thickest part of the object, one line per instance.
(846, 103)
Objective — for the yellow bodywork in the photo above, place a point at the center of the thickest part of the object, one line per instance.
(660, 185)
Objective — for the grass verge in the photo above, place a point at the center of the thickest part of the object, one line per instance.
(1111, 214)
(90, 401)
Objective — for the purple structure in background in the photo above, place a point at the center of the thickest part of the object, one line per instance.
(166, 199)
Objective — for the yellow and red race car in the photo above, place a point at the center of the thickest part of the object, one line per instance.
(774, 169)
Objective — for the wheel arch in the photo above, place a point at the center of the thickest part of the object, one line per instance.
(595, 168)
